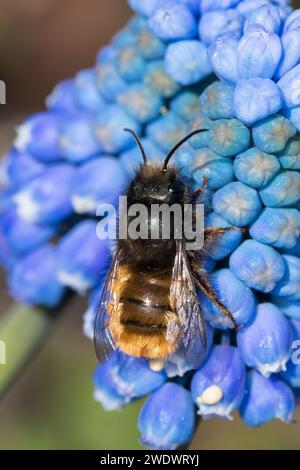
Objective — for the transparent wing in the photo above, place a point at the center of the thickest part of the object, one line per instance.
(184, 299)
(103, 340)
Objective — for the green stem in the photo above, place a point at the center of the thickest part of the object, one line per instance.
(22, 332)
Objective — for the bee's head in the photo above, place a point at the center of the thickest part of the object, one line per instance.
(160, 184)
(151, 185)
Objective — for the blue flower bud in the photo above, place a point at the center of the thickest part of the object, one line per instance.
(23, 236)
(132, 377)
(283, 190)
(106, 55)
(206, 163)
(255, 168)
(89, 315)
(229, 137)
(97, 181)
(82, 257)
(129, 64)
(140, 102)
(109, 126)
(166, 131)
(182, 360)
(227, 242)
(185, 105)
(289, 87)
(77, 140)
(150, 47)
(223, 57)
(8, 258)
(290, 53)
(172, 21)
(62, 98)
(292, 374)
(131, 159)
(293, 114)
(237, 203)
(289, 285)
(208, 5)
(20, 168)
(193, 5)
(265, 343)
(272, 134)
(217, 101)
(268, 16)
(39, 136)
(258, 54)
(292, 21)
(109, 81)
(289, 157)
(218, 386)
(145, 8)
(290, 308)
(277, 227)
(33, 278)
(266, 399)
(87, 94)
(187, 61)
(167, 419)
(156, 77)
(40, 201)
(246, 7)
(104, 390)
(214, 23)
(238, 299)
(199, 121)
(255, 99)
(258, 265)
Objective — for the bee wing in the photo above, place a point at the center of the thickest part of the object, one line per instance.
(103, 340)
(184, 299)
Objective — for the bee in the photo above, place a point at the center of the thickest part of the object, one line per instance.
(149, 306)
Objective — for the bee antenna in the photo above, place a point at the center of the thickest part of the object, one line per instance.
(171, 153)
(139, 143)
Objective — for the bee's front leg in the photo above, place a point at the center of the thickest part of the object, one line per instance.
(204, 285)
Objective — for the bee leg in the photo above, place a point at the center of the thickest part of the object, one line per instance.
(201, 190)
(206, 288)
(216, 232)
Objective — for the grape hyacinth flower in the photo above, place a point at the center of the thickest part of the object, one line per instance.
(231, 67)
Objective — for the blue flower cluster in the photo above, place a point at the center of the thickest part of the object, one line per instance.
(69, 158)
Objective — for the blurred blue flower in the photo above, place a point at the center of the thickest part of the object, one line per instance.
(33, 278)
(97, 181)
(39, 136)
(39, 201)
(83, 257)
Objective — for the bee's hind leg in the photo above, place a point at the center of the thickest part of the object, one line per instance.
(205, 287)
(213, 233)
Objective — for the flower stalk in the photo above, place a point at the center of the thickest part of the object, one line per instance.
(22, 332)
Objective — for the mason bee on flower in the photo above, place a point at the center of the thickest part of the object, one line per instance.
(149, 306)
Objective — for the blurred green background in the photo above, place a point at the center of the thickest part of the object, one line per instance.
(50, 406)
